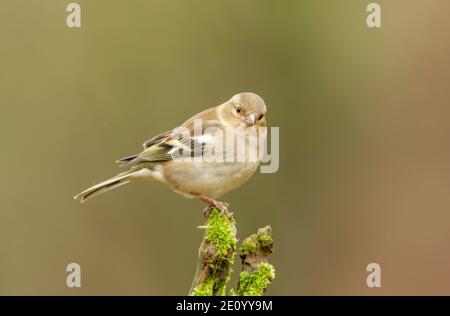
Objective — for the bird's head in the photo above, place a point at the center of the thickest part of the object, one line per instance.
(245, 109)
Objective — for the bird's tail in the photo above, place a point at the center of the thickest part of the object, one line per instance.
(102, 187)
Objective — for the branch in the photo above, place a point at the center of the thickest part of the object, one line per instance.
(216, 256)
(256, 273)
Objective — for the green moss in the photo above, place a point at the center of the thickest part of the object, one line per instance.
(213, 286)
(248, 245)
(221, 235)
(254, 284)
(217, 256)
(222, 290)
(220, 232)
(264, 237)
(205, 288)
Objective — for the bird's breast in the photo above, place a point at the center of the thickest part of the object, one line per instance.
(214, 177)
(208, 178)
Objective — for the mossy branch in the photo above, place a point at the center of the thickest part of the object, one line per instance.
(216, 257)
(256, 273)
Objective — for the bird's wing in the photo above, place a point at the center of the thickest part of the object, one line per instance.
(156, 139)
(181, 145)
(153, 145)
(166, 146)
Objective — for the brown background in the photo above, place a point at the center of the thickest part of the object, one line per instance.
(364, 122)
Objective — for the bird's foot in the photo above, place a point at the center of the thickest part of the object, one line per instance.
(224, 208)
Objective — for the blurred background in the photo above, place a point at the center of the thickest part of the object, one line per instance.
(364, 122)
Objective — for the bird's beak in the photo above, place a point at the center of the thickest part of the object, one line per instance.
(250, 119)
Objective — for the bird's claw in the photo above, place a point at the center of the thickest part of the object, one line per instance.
(223, 207)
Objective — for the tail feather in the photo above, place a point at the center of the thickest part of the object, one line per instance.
(105, 186)
(126, 160)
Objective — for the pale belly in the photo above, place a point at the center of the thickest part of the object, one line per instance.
(212, 179)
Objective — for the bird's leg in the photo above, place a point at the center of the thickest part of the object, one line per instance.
(222, 206)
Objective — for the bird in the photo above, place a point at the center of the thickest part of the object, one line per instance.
(175, 156)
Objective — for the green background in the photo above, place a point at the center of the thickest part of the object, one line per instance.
(364, 141)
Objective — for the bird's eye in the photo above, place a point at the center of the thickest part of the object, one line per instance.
(260, 117)
(238, 110)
